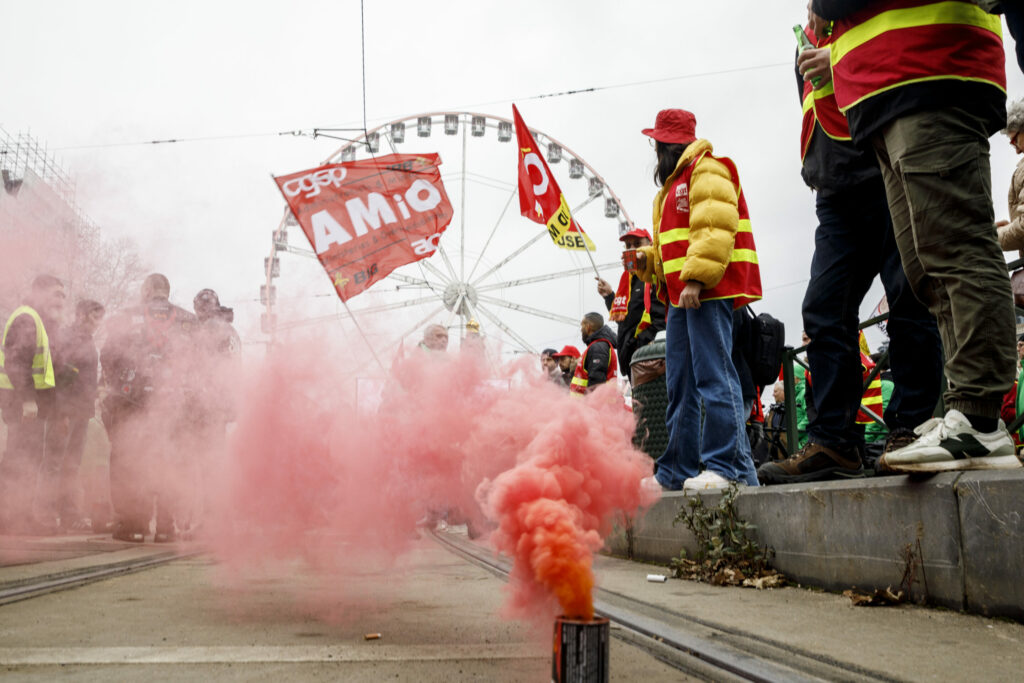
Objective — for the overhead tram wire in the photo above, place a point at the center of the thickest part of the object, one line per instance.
(564, 93)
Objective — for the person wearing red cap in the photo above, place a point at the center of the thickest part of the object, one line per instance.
(567, 359)
(637, 312)
(704, 264)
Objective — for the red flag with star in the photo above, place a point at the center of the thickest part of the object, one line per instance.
(540, 198)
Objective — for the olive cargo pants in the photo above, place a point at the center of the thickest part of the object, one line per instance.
(938, 181)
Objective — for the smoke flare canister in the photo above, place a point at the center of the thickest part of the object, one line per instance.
(581, 650)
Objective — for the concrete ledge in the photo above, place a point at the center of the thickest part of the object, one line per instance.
(992, 537)
(964, 532)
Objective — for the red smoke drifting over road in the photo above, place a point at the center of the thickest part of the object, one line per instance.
(309, 476)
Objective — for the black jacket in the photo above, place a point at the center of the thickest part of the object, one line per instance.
(596, 358)
(626, 343)
(832, 166)
(981, 100)
(79, 374)
(149, 351)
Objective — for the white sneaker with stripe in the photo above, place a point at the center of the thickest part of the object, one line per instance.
(951, 443)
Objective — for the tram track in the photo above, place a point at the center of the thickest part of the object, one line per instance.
(36, 586)
(695, 646)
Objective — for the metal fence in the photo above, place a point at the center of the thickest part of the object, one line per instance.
(789, 358)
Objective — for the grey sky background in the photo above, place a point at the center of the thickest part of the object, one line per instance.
(88, 77)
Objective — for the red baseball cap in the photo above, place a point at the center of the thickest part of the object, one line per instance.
(673, 126)
(571, 351)
(635, 232)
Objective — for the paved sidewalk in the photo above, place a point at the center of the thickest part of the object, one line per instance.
(904, 642)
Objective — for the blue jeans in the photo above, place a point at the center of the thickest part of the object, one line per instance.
(854, 242)
(699, 370)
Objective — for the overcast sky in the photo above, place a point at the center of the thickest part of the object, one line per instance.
(87, 78)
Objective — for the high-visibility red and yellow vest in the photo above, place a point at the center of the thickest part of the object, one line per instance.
(872, 399)
(892, 44)
(581, 378)
(742, 278)
(820, 108)
(42, 363)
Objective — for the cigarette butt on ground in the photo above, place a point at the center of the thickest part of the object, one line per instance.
(371, 636)
(657, 578)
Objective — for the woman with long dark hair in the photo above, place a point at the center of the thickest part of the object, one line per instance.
(704, 263)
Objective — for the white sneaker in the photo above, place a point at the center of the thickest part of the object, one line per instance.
(951, 443)
(708, 481)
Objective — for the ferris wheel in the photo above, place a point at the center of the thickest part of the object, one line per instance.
(493, 269)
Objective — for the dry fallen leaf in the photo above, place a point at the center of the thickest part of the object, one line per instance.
(881, 597)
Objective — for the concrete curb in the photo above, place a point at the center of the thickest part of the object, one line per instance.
(961, 535)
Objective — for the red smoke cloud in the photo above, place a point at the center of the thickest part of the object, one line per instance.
(556, 505)
(311, 476)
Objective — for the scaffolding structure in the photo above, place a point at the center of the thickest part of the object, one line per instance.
(23, 155)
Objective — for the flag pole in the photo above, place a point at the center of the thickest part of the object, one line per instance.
(592, 263)
(363, 334)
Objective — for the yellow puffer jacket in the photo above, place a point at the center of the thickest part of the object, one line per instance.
(714, 218)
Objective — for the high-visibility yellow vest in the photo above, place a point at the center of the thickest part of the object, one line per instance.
(892, 44)
(581, 378)
(820, 108)
(42, 363)
(872, 398)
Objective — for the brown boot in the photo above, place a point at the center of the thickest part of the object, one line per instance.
(813, 462)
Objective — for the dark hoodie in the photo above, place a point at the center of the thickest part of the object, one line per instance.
(597, 358)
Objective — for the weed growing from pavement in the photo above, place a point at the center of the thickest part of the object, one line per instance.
(726, 553)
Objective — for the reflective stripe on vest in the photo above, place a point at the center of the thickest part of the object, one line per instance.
(820, 108)
(645, 319)
(42, 363)
(872, 399)
(742, 278)
(581, 378)
(892, 44)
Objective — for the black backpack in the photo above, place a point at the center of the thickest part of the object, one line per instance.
(764, 352)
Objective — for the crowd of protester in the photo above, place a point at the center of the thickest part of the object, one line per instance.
(898, 159)
(163, 397)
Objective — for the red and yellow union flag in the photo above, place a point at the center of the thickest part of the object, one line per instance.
(540, 198)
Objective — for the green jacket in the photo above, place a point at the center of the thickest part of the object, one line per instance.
(1020, 395)
(875, 432)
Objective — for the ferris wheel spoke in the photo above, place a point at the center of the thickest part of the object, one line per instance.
(421, 322)
(370, 310)
(546, 277)
(455, 309)
(407, 280)
(507, 330)
(511, 196)
(447, 261)
(511, 256)
(528, 310)
(427, 265)
(586, 201)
